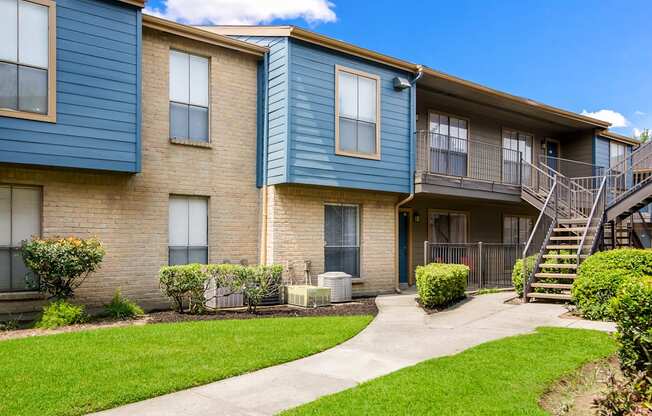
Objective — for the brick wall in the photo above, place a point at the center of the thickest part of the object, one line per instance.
(129, 213)
(296, 232)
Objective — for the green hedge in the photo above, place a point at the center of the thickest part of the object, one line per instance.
(441, 284)
(601, 275)
(187, 284)
(517, 273)
(632, 311)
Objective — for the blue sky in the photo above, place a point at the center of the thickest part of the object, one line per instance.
(578, 55)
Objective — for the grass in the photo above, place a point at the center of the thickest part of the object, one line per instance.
(504, 377)
(76, 373)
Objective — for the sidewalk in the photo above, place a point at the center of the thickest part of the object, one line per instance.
(401, 335)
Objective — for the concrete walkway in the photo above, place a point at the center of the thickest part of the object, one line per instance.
(400, 336)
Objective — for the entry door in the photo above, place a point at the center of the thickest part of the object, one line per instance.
(552, 153)
(403, 235)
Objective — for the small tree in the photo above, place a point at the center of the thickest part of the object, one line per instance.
(261, 282)
(62, 264)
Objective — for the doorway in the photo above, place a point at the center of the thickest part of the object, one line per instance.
(552, 154)
(404, 247)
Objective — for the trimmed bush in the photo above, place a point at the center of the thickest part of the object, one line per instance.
(441, 284)
(264, 281)
(61, 313)
(62, 264)
(121, 307)
(518, 280)
(601, 275)
(632, 311)
(184, 283)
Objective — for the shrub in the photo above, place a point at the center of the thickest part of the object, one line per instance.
(61, 313)
(601, 275)
(121, 307)
(441, 284)
(632, 311)
(517, 273)
(262, 282)
(62, 264)
(184, 283)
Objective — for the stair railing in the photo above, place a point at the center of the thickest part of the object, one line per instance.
(540, 236)
(621, 175)
(597, 214)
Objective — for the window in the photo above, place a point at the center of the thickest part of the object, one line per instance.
(516, 145)
(616, 155)
(342, 235)
(448, 227)
(27, 59)
(20, 219)
(357, 106)
(448, 144)
(188, 230)
(188, 97)
(516, 230)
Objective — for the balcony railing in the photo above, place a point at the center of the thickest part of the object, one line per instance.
(451, 156)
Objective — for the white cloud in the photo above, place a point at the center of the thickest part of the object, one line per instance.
(637, 132)
(615, 118)
(245, 12)
(640, 113)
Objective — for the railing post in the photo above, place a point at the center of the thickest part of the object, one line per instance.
(425, 253)
(480, 260)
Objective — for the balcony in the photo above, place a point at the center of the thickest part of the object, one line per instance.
(471, 168)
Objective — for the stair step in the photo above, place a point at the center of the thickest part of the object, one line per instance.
(581, 221)
(570, 229)
(544, 275)
(564, 256)
(553, 285)
(563, 247)
(559, 296)
(558, 266)
(566, 237)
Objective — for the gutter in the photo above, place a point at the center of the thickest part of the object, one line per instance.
(263, 160)
(413, 129)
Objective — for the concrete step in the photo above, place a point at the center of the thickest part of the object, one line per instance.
(559, 296)
(544, 275)
(558, 266)
(564, 286)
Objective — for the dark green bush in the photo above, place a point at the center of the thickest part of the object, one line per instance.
(62, 264)
(61, 313)
(441, 284)
(518, 280)
(601, 275)
(632, 311)
(121, 307)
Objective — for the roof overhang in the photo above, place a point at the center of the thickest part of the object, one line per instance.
(470, 91)
(314, 38)
(618, 137)
(137, 3)
(201, 35)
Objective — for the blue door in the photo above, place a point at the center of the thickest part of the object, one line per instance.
(552, 153)
(403, 224)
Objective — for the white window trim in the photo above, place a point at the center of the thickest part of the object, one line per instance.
(51, 115)
(338, 151)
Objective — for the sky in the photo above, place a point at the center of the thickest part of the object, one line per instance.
(592, 57)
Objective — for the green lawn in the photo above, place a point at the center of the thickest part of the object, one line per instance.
(504, 377)
(75, 373)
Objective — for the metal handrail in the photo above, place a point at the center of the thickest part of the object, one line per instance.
(541, 214)
(599, 199)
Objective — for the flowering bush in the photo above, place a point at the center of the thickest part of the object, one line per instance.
(62, 264)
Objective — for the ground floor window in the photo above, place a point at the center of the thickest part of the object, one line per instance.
(448, 227)
(20, 219)
(188, 230)
(342, 238)
(516, 230)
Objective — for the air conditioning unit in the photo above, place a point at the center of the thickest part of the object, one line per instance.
(307, 296)
(339, 284)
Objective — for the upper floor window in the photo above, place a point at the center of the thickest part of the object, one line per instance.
(357, 113)
(27, 59)
(516, 146)
(188, 97)
(616, 154)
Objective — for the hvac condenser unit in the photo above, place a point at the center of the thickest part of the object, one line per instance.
(339, 283)
(307, 296)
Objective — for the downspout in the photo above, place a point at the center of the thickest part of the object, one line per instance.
(264, 94)
(413, 129)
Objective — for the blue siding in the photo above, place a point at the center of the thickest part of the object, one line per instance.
(98, 94)
(311, 152)
(277, 107)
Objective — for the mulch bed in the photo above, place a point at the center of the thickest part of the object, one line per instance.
(362, 306)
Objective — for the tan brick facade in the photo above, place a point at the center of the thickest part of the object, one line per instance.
(129, 213)
(295, 227)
